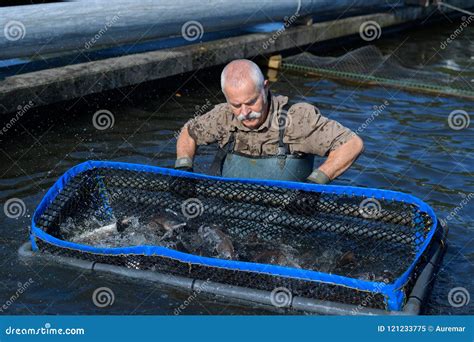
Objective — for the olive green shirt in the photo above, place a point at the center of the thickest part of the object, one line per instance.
(307, 131)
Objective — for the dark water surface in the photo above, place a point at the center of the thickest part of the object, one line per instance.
(410, 147)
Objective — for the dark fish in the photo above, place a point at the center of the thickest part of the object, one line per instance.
(165, 223)
(267, 257)
(98, 235)
(346, 259)
(252, 238)
(125, 223)
(326, 261)
(191, 242)
(249, 244)
(329, 261)
(169, 220)
(369, 276)
(386, 277)
(277, 257)
(308, 261)
(219, 242)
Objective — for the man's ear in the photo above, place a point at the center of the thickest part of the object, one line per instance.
(266, 86)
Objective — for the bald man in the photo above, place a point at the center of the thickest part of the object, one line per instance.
(261, 136)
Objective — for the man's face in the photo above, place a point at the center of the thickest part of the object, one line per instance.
(248, 104)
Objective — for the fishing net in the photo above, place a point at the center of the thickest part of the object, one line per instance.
(359, 245)
(367, 65)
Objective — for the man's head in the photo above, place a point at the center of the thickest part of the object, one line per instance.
(246, 90)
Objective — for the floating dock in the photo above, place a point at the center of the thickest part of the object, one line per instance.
(69, 82)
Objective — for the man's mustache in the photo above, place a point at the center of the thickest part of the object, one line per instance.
(250, 116)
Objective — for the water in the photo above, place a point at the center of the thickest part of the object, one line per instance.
(409, 147)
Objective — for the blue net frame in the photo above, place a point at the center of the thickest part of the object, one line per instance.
(394, 294)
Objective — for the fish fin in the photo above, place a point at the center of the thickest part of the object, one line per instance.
(168, 210)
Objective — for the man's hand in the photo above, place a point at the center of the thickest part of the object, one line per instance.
(318, 177)
(185, 150)
(338, 161)
(184, 164)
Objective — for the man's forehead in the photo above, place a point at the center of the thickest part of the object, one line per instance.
(242, 94)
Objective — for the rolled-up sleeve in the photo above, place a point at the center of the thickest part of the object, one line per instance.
(310, 132)
(210, 127)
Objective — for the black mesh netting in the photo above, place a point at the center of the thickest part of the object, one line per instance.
(344, 234)
(367, 65)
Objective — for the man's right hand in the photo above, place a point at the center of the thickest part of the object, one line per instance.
(184, 164)
(185, 150)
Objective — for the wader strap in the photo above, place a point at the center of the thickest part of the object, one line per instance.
(283, 149)
(216, 166)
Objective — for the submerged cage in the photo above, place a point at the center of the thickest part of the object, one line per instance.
(395, 236)
(368, 66)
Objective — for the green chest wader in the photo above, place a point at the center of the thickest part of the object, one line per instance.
(282, 166)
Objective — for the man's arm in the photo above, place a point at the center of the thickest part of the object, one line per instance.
(312, 133)
(202, 130)
(340, 159)
(186, 145)
(185, 150)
